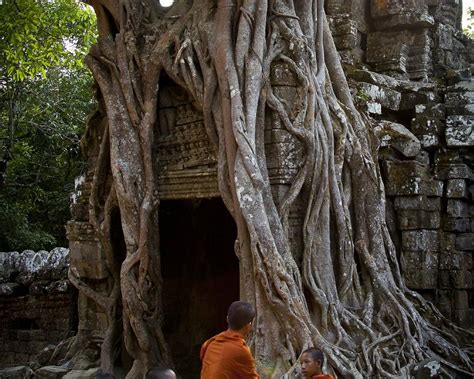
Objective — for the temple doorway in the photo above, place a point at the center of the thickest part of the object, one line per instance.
(200, 275)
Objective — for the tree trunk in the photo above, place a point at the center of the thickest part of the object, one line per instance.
(346, 296)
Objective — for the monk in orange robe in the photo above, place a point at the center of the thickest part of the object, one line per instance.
(312, 361)
(226, 355)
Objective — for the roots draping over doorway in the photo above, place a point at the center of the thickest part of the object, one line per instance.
(346, 294)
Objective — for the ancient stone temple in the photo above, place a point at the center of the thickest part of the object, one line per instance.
(37, 304)
(410, 67)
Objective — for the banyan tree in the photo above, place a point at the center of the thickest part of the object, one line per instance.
(255, 72)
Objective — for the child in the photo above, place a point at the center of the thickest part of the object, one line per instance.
(312, 361)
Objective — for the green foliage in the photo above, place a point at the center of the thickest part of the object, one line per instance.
(469, 27)
(37, 34)
(45, 96)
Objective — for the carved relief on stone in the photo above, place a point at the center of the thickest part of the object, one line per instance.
(182, 139)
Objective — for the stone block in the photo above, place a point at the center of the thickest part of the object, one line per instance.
(444, 301)
(448, 242)
(460, 103)
(462, 86)
(418, 202)
(457, 224)
(421, 98)
(457, 208)
(347, 41)
(404, 178)
(465, 241)
(429, 140)
(51, 372)
(82, 374)
(461, 299)
(464, 318)
(374, 78)
(460, 131)
(454, 171)
(387, 97)
(456, 188)
(398, 137)
(426, 125)
(429, 111)
(420, 240)
(420, 269)
(282, 74)
(457, 279)
(18, 372)
(86, 258)
(451, 260)
(423, 157)
(418, 219)
(80, 231)
(434, 188)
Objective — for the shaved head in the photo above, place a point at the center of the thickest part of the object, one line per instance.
(160, 373)
(240, 314)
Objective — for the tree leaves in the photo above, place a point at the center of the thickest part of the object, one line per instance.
(45, 96)
(35, 35)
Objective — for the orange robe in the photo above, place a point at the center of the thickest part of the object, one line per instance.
(227, 356)
(322, 376)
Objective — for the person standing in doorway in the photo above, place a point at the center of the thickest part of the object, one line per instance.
(226, 355)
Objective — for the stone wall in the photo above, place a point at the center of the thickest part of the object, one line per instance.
(411, 67)
(37, 304)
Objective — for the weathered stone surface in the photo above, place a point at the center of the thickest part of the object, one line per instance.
(398, 137)
(460, 103)
(30, 306)
(82, 374)
(385, 96)
(51, 372)
(457, 224)
(87, 260)
(458, 208)
(373, 78)
(460, 131)
(418, 202)
(404, 178)
(423, 157)
(455, 171)
(464, 317)
(465, 241)
(421, 269)
(416, 219)
(452, 260)
(458, 279)
(420, 240)
(18, 372)
(427, 125)
(32, 266)
(456, 188)
(433, 187)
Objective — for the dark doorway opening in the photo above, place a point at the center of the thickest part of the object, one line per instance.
(200, 275)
